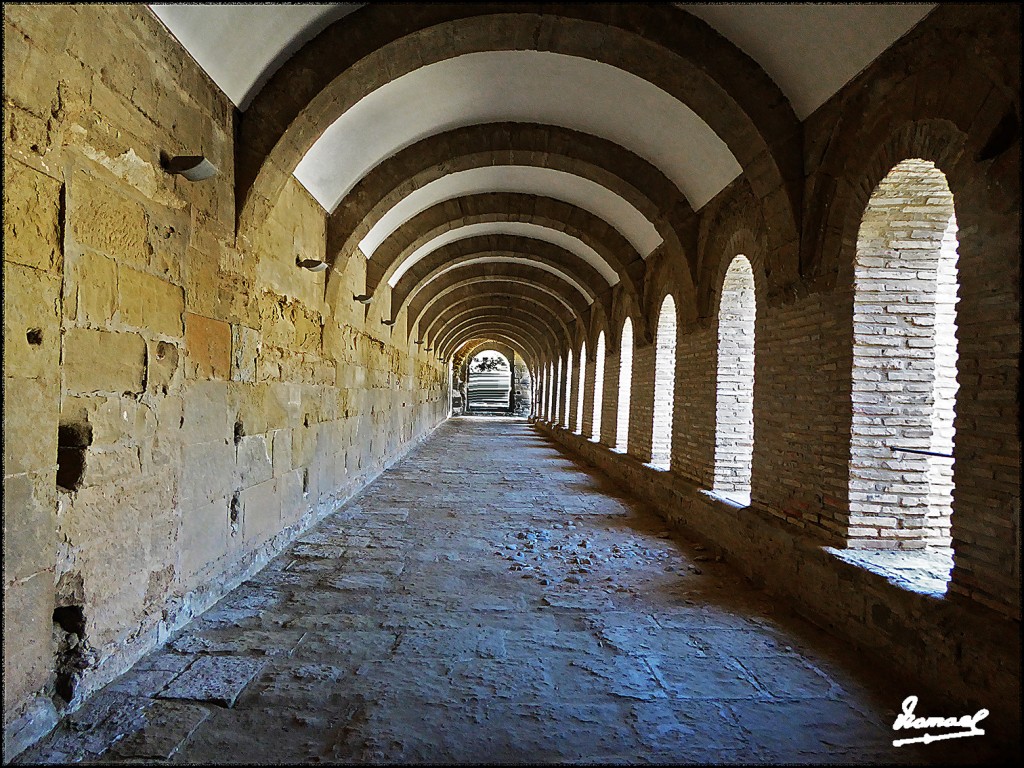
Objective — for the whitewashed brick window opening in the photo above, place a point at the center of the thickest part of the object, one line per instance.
(904, 363)
(546, 412)
(664, 385)
(568, 390)
(734, 413)
(595, 432)
(625, 386)
(582, 389)
(556, 415)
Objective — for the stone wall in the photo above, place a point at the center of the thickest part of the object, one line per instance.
(183, 403)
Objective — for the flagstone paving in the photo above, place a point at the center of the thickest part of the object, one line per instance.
(490, 600)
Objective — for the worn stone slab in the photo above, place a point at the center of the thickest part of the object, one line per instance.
(239, 642)
(703, 678)
(167, 726)
(348, 645)
(318, 550)
(217, 679)
(361, 581)
(143, 682)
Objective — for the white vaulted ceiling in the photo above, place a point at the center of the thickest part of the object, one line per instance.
(519, 86)
(520, 228)
(809, 50)
(241, 46)
(560, 185)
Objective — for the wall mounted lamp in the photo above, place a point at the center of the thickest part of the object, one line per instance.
(363, 298)
(387, 322)
(192, 167)
(313, 265)
(420, 341)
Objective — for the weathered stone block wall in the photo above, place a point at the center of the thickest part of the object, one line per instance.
(177, 404)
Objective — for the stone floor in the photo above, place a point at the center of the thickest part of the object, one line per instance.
(490, 600)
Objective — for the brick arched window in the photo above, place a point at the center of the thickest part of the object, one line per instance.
(734, 412)
(664, 385)
(625, 386)
(556, 409)
(595, 433)
(582, 385)
(904, 364)
(568, 389)
(544, 393)
(550, 395)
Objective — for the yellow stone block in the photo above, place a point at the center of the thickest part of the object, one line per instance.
(148, 302)
(31, 346)
(105, 220)
(100, 361)
(31, 217)
(96, 288)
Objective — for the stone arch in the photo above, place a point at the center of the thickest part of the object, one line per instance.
(512, 340)
(491, 392)
(496, 274)
(477, 295)
(736, 99)
(417, 237)
(952, 134)
(590, 157)
(529, 328)
(737, 227)
(525, 329)
(498, 247)
(666, 276)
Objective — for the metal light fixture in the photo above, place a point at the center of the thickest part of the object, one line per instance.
(192, 167)
(313, 265)
(388, 323)
(363, 298)
(420, 341)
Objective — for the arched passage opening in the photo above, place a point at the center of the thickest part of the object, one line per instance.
(489, 382)
(734, 411)
(549, 390)
(595, 432)
(905, 367)
(664, 385)
(581, 389)
(625, 386)
(557, 411)
(568, 389)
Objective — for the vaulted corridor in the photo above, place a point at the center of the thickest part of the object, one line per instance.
(490, 600)
(266, 266)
